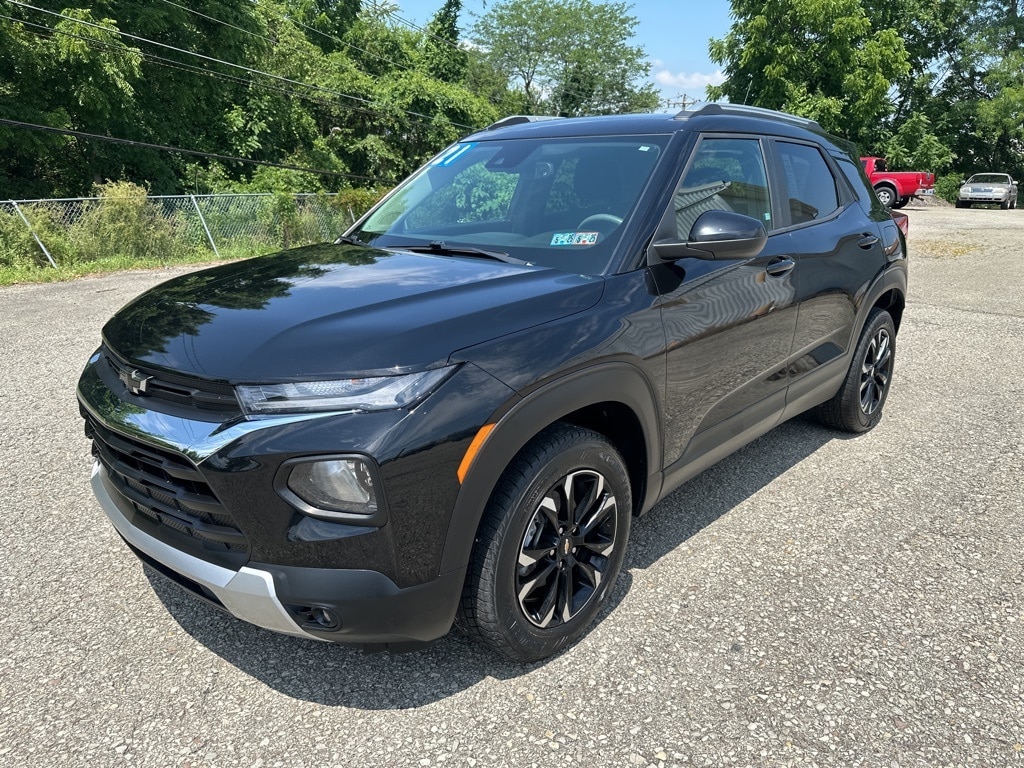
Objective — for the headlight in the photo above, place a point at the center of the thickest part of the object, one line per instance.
(375, 393)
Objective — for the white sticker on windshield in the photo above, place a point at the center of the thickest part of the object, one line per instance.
(575, 238)
(453, 154)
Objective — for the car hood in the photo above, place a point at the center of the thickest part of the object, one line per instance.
(337, 310)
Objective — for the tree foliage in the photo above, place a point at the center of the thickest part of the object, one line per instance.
(933, 84)
(817, 58)
(345, 89)
(570, 57)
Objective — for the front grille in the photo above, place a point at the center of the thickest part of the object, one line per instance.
(187, 391)
(165, 488)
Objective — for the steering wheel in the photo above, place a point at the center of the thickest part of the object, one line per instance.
(599, 218)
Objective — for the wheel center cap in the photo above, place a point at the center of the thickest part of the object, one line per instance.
(565, 545)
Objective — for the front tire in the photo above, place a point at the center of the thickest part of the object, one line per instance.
(550, 545)
(857, 406)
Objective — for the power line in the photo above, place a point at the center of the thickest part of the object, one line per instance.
(219, 21)
(298, 23)
(225, 63)
(182, 150)
(192, 69)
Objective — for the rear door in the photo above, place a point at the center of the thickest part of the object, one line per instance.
(838, 253)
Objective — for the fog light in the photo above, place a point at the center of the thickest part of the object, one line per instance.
(335, 488)
(315, 617)
(324, 618)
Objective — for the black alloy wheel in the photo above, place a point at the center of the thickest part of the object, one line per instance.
(857, 406)
(875, 372)
(566, 551)
(550, 545)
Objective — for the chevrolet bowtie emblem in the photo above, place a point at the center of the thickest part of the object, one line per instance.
(135, 381)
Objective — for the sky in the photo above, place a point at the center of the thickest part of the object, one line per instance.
(674, 33)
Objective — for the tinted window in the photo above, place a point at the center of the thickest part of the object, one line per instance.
(809, 187)
(858, 182)
(724, 175)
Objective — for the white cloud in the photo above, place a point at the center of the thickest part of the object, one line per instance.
(692, 83)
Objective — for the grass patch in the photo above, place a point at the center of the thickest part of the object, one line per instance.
(940, 249)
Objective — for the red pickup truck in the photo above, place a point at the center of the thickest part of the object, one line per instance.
(895, 188)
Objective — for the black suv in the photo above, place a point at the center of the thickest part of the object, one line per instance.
(452, 413)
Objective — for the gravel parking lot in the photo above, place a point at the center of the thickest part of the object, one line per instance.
(814, 599)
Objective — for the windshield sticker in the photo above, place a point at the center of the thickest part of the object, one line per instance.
(574, 238)
(453, 154)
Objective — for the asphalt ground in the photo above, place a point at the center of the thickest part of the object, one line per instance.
(814, 599)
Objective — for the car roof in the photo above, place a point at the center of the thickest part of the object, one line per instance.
(726, 118)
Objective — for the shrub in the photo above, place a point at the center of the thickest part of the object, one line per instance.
(353, 203)
(19, 249)
(948, 186)
(124, 224)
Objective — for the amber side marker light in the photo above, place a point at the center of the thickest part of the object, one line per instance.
(473, 450)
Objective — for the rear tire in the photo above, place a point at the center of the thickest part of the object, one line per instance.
(886, 195)
(900, 203)
(550, 545)
(857, 406)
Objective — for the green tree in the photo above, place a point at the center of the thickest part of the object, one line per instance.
(569, 56)
(81, 76)
(822, 59)
(444, 58)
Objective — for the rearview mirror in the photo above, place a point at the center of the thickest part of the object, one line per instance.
(717, 235)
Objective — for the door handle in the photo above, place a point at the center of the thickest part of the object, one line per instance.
(780, 265)
(867, 241)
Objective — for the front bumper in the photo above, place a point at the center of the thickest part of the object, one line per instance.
(371, 608)
(247, 593)
(984, 197)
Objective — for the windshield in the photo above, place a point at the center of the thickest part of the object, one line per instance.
(989, 178)
(555, 202)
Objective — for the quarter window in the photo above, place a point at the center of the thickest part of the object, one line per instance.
(809, 186)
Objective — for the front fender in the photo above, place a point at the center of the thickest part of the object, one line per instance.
(617, 382)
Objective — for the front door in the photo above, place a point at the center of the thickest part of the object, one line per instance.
(729, 323)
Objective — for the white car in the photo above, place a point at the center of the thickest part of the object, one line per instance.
(988, 188)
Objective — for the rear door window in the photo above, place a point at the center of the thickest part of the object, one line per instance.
(808, 188)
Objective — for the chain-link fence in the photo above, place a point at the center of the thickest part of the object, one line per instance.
(164, 228)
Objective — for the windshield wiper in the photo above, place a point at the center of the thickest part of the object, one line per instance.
(349, 240)
(442, 249)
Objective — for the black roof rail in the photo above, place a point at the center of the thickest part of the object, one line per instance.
(520, 119)
(716, 108)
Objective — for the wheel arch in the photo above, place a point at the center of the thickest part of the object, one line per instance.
(613, 399)
(892, 301)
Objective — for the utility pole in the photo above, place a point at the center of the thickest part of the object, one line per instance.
(682, 101)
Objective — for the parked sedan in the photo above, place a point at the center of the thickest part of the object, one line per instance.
(988, 188)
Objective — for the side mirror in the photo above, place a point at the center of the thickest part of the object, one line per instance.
(717, 235)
